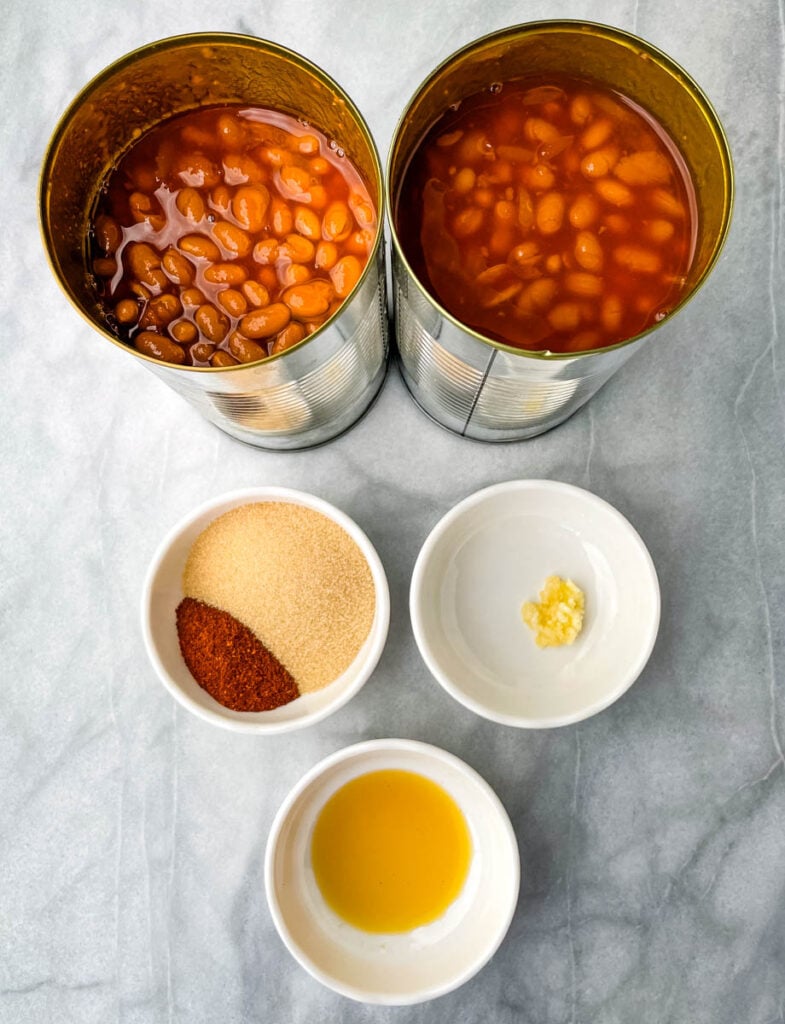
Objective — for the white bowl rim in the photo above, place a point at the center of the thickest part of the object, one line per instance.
(420, 568)
(426, 750)
(250, 495)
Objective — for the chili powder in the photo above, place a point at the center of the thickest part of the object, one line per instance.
(227, 660)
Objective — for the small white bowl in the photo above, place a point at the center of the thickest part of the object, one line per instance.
(413, 966)
(163, 592)
(493, 552)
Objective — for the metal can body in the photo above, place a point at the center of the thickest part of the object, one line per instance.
(308, 395)
(484, 389)
(321, 386)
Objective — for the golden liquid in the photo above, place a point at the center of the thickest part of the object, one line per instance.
(390, 851)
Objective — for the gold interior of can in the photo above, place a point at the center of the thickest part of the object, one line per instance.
(612, 58)
(152, 84)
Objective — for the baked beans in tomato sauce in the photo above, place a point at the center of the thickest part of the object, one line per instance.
(226, 235)
(552, 216)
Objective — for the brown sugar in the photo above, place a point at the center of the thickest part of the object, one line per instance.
(295, 578)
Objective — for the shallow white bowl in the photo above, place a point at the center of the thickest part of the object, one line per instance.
(163, 592)
(412, 966)
(493, 552)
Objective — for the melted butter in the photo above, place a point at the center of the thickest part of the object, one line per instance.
(390, 851)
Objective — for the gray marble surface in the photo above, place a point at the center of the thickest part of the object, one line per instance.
(652, 836)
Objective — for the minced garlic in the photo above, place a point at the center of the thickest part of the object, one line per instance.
(558, 618)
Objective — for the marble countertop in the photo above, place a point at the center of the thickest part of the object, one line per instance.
(652, 837)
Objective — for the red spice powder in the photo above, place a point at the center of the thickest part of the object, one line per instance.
(229, 661)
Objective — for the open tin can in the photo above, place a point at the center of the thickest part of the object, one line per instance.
(482, 388)
(309, 393)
